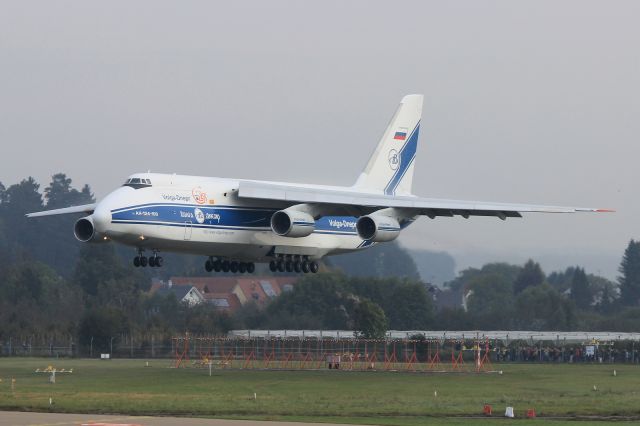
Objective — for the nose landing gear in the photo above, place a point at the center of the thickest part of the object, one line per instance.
(156, 261)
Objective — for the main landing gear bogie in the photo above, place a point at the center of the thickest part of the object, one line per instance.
(293, 264)
(233, 266)
(154, 261)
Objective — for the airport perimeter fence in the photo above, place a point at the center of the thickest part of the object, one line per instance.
(315, 352)
(120, 346)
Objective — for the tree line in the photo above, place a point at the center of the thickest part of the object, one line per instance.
(52, 285)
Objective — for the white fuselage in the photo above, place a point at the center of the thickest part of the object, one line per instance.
(201, 215)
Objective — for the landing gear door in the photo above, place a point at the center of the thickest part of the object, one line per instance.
(187, 231)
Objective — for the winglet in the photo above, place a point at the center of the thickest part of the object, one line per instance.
(592, 210)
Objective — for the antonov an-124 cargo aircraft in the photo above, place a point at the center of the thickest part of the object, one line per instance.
(235, 223)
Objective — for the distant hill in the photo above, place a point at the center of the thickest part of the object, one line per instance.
(434, 267)
(380, 261)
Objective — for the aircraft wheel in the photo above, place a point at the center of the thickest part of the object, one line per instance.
(305, 267)
(152, 262)
(280, 265)
(242, 267)
(136, 261)
(296, 266)
(273, 266)
(313, 267)
(159, 261)
(217, 265)
(208, 265)
(233, 267)
(143, 261)
(251, 267)
(225, 266)
(288, 266)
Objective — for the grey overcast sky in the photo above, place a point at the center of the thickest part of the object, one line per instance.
(525, 101)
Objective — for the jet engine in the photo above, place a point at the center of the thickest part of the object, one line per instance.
(292, 223)
(85, 231)
(377, 228)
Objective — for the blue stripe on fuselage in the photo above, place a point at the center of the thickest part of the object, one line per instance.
(231, 217)
(217, 206)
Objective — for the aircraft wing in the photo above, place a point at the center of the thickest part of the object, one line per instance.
(87, 208)
(365, 203)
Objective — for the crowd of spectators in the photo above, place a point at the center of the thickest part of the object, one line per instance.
(568, 353)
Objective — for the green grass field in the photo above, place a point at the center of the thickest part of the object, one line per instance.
(556, 392)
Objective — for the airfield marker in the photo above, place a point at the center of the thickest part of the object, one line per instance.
(509, 412)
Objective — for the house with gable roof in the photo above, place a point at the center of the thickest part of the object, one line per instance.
(230, 293)
(183, 293)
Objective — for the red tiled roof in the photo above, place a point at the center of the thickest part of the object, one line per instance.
(213, 284)
(282, 281)
(251, 288)
(259, 288)
(232, 301)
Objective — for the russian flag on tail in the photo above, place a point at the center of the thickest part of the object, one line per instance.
(401, 134)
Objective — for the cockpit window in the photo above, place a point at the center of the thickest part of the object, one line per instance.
(137, 183)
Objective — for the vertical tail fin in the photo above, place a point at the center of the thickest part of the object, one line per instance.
(390, 168)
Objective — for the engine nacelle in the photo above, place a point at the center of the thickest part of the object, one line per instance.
(85, 231)
(377, 228)
(292, 223)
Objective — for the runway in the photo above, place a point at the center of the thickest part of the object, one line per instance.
(14, 418)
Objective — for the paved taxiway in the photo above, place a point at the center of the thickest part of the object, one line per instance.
(11, 418)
